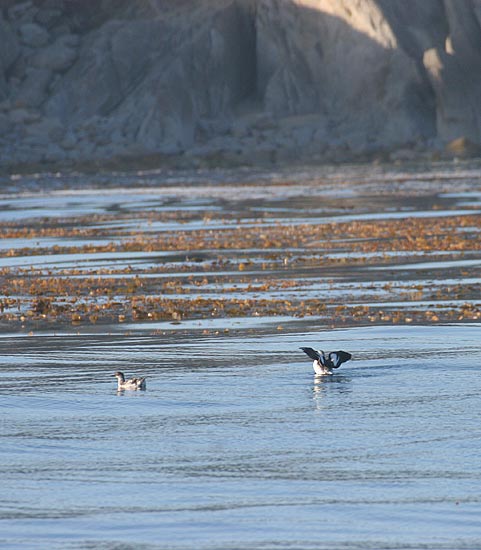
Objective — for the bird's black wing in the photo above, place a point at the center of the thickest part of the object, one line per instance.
(337, 358)
(313, 354)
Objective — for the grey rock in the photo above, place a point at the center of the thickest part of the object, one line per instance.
(85, 148)
(69, 40)
(463, 148)
(168, 125)
(155, 98)
(403, 155)
(454, 74)
(22, 116)
(10, 47)
(329, 62)
(69, 141)
(60, 30)
(54, 153)
(35, 140)
(19, 68)
(5, 124)
(22, 11)
(13, 86)
(263, 156)
(5, 105)
(240, 128)
(48, 16)
(33, 35)
(9, 51)
(59, 56)
(302, 136)
(72, 99)
(4, 89)
(45, 130)
(457, 111)
(416, 26)
(464, 28)
(34, 88)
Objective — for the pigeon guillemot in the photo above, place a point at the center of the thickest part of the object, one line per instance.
(323, 364)
(131, 384)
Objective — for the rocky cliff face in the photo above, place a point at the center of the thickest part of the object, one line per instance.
(247, 80)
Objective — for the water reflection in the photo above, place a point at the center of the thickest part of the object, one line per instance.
(325, 386)
(131, 393)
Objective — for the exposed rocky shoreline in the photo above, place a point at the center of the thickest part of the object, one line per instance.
(211, 82)
(349, 248)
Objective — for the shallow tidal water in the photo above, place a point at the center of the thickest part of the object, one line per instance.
(235, 443)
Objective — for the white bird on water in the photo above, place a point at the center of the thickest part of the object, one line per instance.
(131, 384)
(324, 365)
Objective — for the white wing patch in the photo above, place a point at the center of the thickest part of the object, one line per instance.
(336, 360)
(339, 357)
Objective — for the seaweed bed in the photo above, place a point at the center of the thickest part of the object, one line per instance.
(345, 246)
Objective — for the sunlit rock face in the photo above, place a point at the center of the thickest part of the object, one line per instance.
(343, 60)
(239, 80)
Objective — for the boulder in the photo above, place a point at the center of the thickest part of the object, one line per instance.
(403, 155)
(48, 17)
(69, 141)
(10, 47)
(45, 130)
(5, 106)
(5, 124)
(21, 11)
(34, 88)
(57, 57)
(54, 153)
(33, 35)
(463, 147)
(9, 52)
(22, 116)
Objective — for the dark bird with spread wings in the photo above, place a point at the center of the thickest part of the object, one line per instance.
(324, 365)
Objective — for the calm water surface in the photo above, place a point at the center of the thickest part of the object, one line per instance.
(235, 444)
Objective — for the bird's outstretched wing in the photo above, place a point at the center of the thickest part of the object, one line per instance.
(312, 353)
(337, 358)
